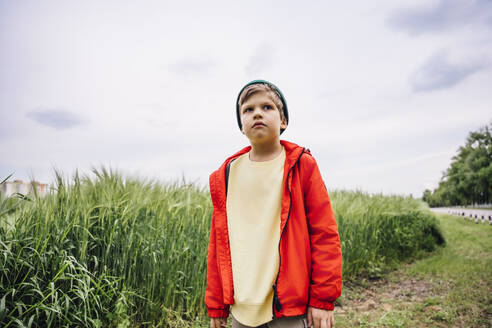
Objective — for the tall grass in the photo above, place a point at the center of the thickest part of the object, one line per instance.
(114, 251)
(379, 231)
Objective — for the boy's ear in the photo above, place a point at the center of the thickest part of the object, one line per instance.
(283, 124)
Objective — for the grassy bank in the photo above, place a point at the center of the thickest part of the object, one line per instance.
(450, 288)
(112, 251)
(378, 232)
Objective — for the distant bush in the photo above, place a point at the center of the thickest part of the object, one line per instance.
(379, 231)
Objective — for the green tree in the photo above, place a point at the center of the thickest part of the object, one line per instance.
(426, 197)
(468, 180)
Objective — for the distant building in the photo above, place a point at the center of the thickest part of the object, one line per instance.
(9, 188)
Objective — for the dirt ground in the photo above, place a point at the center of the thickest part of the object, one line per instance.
(390, 301)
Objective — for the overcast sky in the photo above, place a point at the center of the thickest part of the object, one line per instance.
(382, 92)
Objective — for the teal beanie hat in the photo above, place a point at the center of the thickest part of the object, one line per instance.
(284, 103)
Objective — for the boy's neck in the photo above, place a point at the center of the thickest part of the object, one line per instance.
(265, 152)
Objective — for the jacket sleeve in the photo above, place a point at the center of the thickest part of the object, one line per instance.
(213, 293)
(326, 256)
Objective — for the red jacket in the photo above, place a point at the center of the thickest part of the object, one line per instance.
(310, 268)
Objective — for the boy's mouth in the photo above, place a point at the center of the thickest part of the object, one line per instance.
(258, 124)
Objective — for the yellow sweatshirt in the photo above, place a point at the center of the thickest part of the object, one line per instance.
(253, 217)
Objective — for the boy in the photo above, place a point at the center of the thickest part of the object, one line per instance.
(274, 255)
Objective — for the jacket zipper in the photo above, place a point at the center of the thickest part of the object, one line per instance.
(276, 301)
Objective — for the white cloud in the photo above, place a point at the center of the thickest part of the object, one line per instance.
(156, 84)
(58, 119)
(442, 15)
(261, 60)
(439, 72)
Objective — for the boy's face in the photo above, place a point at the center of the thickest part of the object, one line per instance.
(260, 118)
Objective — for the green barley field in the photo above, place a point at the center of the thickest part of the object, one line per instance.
(111, 251)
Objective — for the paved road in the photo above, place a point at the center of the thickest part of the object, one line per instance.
(476, 215)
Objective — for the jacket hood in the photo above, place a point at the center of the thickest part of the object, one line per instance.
(217, 179)
(292, 152)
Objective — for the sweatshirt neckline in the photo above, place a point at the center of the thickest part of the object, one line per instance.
(266, 163)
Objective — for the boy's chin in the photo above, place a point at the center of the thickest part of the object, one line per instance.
(263, 140)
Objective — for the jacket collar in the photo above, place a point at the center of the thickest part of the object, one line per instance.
(218, 184)
(218, 179)
(292, 152)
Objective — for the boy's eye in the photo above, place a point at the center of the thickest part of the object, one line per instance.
(267, 107)
(248, 109)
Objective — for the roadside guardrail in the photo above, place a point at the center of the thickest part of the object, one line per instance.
(479, 216)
